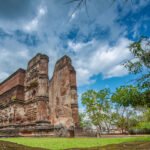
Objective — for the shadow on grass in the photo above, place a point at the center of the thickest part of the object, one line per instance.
(12, 146)
(123, 146)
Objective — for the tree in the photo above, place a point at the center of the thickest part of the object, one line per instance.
(125, 119)
(125, 98)
(97, 106)
(110, 120)
(84, 122)
(140, 66)
(146, 115)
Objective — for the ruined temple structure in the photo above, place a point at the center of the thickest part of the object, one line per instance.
(33, 105)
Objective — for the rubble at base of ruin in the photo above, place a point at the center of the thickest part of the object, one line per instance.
(33, 105)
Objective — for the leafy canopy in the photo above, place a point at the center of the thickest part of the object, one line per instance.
(127, 96)
(97, 105)
(140, 66)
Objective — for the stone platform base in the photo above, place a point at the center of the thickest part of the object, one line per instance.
(37, 129)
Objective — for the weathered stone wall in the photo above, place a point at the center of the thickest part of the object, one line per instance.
(14, 80)
(11, 115)
(11, 94)
(31, 104)
(63, 94)
(36, 87)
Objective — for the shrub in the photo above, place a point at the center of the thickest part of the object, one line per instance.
(141, 128)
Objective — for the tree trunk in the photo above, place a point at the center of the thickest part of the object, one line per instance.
(98, 131)
(122, 130)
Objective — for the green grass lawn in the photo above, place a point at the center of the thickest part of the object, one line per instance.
(64, 143)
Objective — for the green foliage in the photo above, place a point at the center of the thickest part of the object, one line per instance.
(141, 128)
(97, 105)
(146, 115)
(144, 125)
(119, 121)
(127, 96)
(125, 120)
(141, 51)
(84, 123)
(122, 112)
(126, 99)
(140, 65)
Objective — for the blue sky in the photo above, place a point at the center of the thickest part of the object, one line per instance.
(97, 42)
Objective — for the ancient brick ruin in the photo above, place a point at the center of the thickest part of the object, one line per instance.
(33, 105)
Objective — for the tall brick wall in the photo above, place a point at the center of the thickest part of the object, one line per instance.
(11, 94)
(31, 102)
(15, 79)
(12, 88)
(36, 87)
(63, 94)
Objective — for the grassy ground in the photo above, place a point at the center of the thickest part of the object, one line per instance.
(65, 143)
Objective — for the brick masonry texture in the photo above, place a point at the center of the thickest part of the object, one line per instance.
(33, 105)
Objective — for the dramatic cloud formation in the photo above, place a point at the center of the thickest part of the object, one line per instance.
(101, 58)
(97, 42)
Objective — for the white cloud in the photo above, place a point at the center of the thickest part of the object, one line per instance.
(116, 71)
(76, 47)
(13, 55)
(73, 16)
(105, 59)
(51, 21)
(33, 24)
